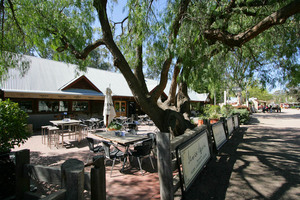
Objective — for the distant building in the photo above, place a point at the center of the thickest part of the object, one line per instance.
(51, 89)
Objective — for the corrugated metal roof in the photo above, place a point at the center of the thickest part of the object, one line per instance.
(50, 76)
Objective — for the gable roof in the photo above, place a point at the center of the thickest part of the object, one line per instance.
(81, 82)
(48, 76)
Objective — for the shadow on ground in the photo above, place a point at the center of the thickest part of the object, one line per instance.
(256, 163)
(213, 181)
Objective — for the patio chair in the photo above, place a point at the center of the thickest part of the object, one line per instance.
(153, 137)
(94, 146)
(143, 150)
(113, 154)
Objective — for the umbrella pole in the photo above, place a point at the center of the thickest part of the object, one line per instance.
(106, 121)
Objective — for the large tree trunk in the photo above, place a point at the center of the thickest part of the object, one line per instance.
(168, 120)
(176, 116)
(165, 117)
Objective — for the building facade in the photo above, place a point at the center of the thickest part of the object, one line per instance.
(51, 90)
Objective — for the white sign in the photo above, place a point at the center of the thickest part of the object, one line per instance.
(219, 135)
(193, 157)
(230, 125)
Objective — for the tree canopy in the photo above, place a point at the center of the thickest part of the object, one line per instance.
(203, 44)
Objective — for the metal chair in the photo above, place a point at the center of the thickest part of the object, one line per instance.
(142, 151)
(113, 154)
(94, 148)
(153, 137)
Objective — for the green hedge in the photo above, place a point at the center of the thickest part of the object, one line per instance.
(244, 115)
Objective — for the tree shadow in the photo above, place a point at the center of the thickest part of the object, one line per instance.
(213, 181)
(265, 164)
(274, 156)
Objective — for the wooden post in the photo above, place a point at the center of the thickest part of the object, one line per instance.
(165, 166)
(72, 178)
(98, 181)
(22, 179)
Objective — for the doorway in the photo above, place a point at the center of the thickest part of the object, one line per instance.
(120, 108)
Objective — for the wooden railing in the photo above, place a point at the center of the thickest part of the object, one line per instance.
(70, 177)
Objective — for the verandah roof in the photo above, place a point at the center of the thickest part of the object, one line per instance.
(51, 77)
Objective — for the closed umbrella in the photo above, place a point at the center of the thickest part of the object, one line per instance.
(109, 111)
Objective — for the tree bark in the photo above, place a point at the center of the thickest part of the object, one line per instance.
(163, 117)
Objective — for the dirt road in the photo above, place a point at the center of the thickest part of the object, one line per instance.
(261, 161)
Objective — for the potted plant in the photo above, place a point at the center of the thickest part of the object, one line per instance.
(13, 131)
(212, 111)
(114, 126)
(201, 119)
(214, 118)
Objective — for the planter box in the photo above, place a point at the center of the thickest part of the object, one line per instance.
(200, 122)
(212, 121)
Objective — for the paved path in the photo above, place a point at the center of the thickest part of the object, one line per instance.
(262, 161)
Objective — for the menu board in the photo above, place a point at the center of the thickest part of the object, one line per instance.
(236, 121)
(230, 125)
(194, 155)
(219, 134)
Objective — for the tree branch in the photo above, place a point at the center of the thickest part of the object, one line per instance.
(11, 6)
(166, 66)
(138, 71)
(2, 23)
(119, 60)
(171, 97)
(83, 54)
(237, 40)
(122, 22)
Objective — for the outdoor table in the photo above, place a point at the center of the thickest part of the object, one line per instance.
(68, 122)
(126, 140)
(93, 122)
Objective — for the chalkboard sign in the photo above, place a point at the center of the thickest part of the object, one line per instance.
(194, 155)
(219, 134)
(236, 121)
(230, 127)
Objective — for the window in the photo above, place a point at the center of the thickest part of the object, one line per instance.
(48, 106)
(80, 106)
(53, 106)
(25, 106)
(63, 106)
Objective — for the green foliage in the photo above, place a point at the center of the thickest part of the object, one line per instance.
(294, 94)
(226, 110)
(13, 125)
(244, 115)
(37, 28)
(114, 125)
(259, 93)
(212, 111)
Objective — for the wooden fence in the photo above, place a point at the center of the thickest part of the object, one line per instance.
(70, 177)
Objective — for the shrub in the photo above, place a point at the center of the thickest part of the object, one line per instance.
(13, 125)
(226, 111)
(244, 115)
(212, 111)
